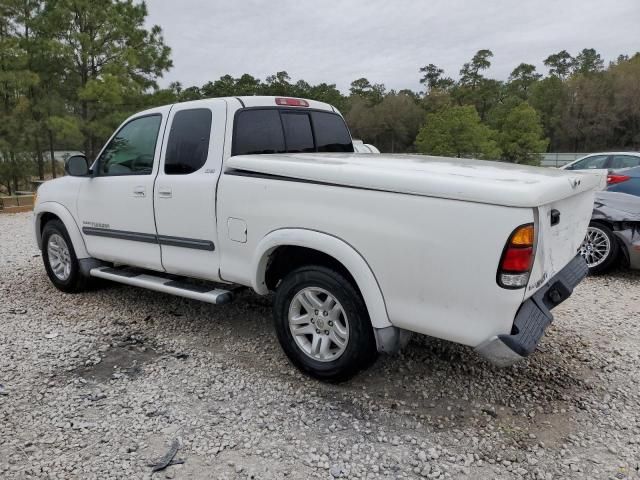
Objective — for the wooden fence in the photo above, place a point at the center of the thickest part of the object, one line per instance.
(17, 203)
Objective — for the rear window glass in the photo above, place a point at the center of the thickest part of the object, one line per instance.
(331, 133)
(188, 143)
(272, 130)
(258, 131)
(297, 132)
(624, 161)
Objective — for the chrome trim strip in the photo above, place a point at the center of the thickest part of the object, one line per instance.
(167, 240)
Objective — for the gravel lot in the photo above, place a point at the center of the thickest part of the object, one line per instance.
(98, 385)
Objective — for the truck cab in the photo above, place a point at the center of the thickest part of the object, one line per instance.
(156, 179)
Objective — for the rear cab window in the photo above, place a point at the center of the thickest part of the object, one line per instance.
(297, 132)
(331, 135)
(267, 130)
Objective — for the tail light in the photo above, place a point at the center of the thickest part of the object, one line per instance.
(291, 102)
(517, 258)
(612, 178)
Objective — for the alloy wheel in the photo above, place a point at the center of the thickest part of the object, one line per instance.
(318, 324)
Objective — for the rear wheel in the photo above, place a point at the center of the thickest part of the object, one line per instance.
(599, 248)
(322, 324)
(59, 258)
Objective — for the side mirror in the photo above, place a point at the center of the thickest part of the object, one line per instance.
(77, 166)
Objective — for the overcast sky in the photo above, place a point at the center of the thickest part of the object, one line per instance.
(385, 41)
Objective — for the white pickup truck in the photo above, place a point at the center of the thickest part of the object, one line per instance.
(200, 198)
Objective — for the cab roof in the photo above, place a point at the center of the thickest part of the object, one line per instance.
(246, 102)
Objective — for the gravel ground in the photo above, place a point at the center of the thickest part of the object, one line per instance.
(100, 384)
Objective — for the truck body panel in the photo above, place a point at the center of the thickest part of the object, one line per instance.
(445, 287)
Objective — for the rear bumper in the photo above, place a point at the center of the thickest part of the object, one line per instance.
(533, 317)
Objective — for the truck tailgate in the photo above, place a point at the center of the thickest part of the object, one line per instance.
(561, 227)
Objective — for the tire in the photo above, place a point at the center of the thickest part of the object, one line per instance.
(599, 248)
(68, 277)
(350, 325)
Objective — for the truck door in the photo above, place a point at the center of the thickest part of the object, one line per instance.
(185, 189)
(115, 206)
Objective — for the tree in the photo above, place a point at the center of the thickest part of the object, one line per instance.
(483, 96)
(391, 125)
(278, 84)
(190, 93)
(26, 21)
(436, 100)
(622, 58)
(457, 132)
(470, 73)
(225, 86)
(113, 60)
(560, 64)
(399, 119)
(247, 85)
(522, 78)
(474, 89)
(626, 101)
(549, 97)
(17, 84)
(588, 61)
(15, 170)
(433, 78)
(327, 93)
(521, 137)
(362, 121)
(364, 89)
(588, 122)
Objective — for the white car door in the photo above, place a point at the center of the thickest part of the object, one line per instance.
(185, 189)
(115, 205)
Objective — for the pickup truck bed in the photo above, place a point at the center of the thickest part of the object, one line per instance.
(481, 181)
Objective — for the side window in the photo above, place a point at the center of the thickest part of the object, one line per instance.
(132, 150)
(297, 131)
(258, 131)
(624, 161)
(595, 161)
(188, 143)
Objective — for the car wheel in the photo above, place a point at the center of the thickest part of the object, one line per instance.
(323, 325)
(59, 258)
(599, 248)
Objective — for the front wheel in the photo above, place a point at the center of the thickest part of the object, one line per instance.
(60, 259)
(323, 325)
(599, 248)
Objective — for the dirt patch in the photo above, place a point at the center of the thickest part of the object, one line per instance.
(117, 361)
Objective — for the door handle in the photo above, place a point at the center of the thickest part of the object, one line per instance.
(164, 192)
(139, 191)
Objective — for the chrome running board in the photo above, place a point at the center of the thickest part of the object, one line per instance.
(163, 284)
